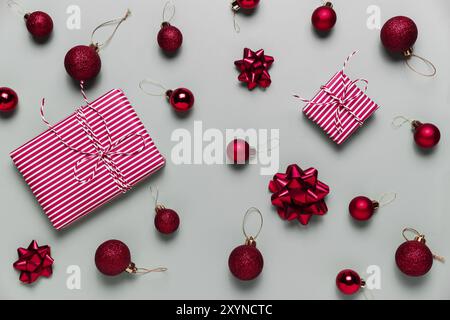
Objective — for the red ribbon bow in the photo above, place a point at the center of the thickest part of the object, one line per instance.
(298, 194)
(34, 262)
(254, 68)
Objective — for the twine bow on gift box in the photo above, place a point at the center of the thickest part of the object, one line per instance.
(342, 99)
(86, 168)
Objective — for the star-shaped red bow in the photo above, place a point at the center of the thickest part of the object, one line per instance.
(298, 194)
(254, 68)
(34, 262)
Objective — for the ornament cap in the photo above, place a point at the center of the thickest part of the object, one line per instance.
(250, 242)
(159, 207)
(132, 269)
(408, 53)
(375, 204)
(328, 4)
(235, 6)
(363, 283)
(415, 124)
(169, 93)
(165, 24)
(26, 16)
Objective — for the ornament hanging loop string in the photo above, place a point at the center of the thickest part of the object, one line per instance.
(155, 195)
(168, 12)
(141, 271)
(409, 55)
(399, 121)
(386, 199)
(155, 84)
(116, 22)
(17, 8)
(418, 235)
(248, 237)
(236, 25)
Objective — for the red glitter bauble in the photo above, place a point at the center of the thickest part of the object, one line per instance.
(324, 18)
(248, 4)
(414, 258)
(83, 63)
(8, 100)
(238, 151)
(112, 257)
(426, 135)
(399, 34)
(167, 221)
(361, 208)
(170, 38)
(181, 99)
(246, 262)
(348, 282)
(39, 24)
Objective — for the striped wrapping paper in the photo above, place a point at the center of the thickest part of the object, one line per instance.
(49, 166)
(322, 108)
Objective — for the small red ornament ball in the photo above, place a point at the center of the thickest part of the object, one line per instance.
(112, 257)
(39, 24)
(361, 208)
(426, 135)
(246, 262)
(8, 100)
(181, 99)
(170, 38)
(348, 282)
(399, 34)
(248, 4)
(324, 18)
(414, 258)
(167, 221)
(238, 151)
(83, 63)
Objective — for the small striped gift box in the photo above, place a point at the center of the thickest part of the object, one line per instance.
(340, 107)
(87, 159)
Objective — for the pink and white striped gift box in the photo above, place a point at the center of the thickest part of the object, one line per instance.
(72, 172)
(340, 107)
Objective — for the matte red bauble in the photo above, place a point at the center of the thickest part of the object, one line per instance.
(349, 282)
(246, 262)
(112, 257)
(181, 99)
(39, 24)
(362, 208)
(83, 63)
(324, 17)
(399, 34)
(170, 38)
(238, 151)
(8, 100)
(247, 4)
(426, 135)
(167, 221)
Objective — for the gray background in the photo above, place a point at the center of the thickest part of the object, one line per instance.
(300, 262)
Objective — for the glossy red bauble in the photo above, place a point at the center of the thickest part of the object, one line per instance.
(362, 208)
(112, 257)
(348, 282)
(167, 221)
(426, 135)
(170, 38)
(414, 258)
(246, 262)
(248, 4)
(181, 99)
(83, 63)
(39, 24)
(238, 151)
(8, 100)
(399, 34)
(324, 17)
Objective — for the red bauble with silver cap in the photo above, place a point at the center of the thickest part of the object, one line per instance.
(39, 24)
(181, 99)
(324, 18)
(399, 34)
(362, 208)
(426, 135)
(349, 282)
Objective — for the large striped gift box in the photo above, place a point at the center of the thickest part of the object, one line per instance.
(87, 159)
(340, 107)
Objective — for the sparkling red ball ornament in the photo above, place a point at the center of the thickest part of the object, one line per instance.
(39, 24)
(362, 208)
(167, 221)
(349, 282)
(8, 100)
(324, 18)
(239, 151)
(112, 257)
(246, 262)
(169, 38)
(247, 4)
(414, 258)
(399, 34)
(181, 99)
(83, 63)
(426, 135)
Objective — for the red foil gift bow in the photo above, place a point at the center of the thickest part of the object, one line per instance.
(254, 68)
(34, 262)
(298, 194)
(89, 164)
(342, 99)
